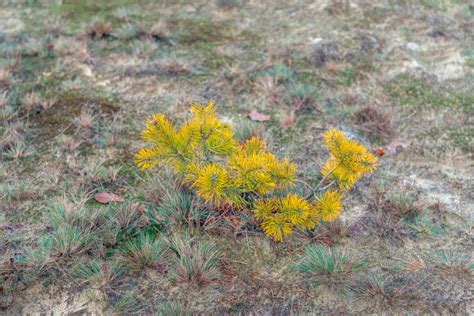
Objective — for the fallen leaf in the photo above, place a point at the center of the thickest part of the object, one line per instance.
(259, 117)
(162, 267)
(328, 240)
(107, 197)
(379, 151)
(105, 266)
(288, 120)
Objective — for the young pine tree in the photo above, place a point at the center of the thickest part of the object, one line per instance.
(205, 153)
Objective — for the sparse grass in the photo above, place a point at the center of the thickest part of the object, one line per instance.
(16, 191)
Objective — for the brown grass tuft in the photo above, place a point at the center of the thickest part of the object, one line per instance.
(99, 29)
(374, 122)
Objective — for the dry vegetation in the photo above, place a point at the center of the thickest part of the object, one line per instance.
(83, 230)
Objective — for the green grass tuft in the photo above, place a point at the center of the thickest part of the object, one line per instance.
(196, 262)
(328, 267)
(143, 252)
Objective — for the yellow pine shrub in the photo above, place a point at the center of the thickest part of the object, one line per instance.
(205, 153)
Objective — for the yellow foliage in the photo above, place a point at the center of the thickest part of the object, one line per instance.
(329, 205)
(279, 216)
(349, 160)
(254, 145)
(206, 153)
(212, 182)
(203, 150)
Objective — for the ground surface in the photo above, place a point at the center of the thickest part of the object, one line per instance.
(78, 79)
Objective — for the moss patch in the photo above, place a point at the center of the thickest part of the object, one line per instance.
(59, 117)
(408, 90)
(464, 139)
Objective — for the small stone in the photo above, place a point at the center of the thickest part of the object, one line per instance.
(315, 40)
(413, 47)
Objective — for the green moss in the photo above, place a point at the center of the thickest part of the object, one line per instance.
(470, 62)
(408, 90)
(349, 75)
(216, 61)
(463, 138)
(438, 5)
(204, 32)
(199, 30)
(68, 106)
(77, 12)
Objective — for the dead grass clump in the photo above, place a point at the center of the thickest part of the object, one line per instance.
(173, 68)
(160, 31)
(386, 292)
(370, 44)
(5, 78)
(387, 215)
(324, 53)
(397, 216)
(374, 122)
(450, 263)
(228, 4)
(268, 86)
(403, 205)
(330, 233)
(332, 67)
(159, 67)
(99, 29)
(386, 226)
(128, 32)
(305, 105)
(439, 26)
